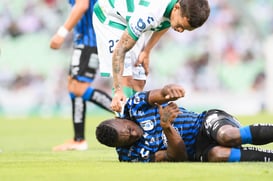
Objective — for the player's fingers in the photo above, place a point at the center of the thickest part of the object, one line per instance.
(146, 68)
(176, 93)
(115, 105)
(173, 107)
(116, 108)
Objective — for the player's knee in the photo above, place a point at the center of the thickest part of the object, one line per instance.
(228, 136)
(77, 88)
(218, 154)
(138, 85)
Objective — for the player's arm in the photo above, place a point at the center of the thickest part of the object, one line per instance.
(75, 15)
(176, 150)
(168, 93)
(154, 39)
(125, 43)
(144, 56)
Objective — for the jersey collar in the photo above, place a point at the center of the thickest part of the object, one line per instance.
(169, 8)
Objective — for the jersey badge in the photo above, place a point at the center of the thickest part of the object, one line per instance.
(147, 125)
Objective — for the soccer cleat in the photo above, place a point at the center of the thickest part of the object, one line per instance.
(72, 145)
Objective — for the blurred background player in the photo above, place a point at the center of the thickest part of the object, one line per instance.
(83, 69)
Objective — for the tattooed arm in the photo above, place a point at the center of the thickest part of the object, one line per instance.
(125, 43)
(176, 150)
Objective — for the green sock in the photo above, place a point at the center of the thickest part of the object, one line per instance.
(128, 91)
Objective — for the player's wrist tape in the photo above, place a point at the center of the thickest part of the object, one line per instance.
(62, 31)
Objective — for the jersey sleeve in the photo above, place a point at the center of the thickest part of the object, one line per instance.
(141, 23)
(148, 18)
(135, 105)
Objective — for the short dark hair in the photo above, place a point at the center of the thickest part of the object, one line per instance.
(196, 10)
(106, 134)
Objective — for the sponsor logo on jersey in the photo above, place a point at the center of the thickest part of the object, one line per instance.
(141, 25)
(137, 99)
(147, 125)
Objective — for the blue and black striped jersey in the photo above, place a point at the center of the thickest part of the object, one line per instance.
(84, 33)
(138, 110)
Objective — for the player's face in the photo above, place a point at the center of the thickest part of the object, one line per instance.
(128, 132)
(179, 23)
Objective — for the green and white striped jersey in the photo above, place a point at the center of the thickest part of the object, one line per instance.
(137, 16)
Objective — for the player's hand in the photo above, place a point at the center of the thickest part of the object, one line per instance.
(144, 60)
(118, 99)
(168, 114)
(56, 41)
(173, 92)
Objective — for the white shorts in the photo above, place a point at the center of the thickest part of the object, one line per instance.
(107, 37)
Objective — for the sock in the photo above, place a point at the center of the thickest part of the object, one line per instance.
(87, 94)
(261, 133)
(246, 135)
(78, 116)
(235, 155)
(128, 91)
(98, 97)
(256, 154)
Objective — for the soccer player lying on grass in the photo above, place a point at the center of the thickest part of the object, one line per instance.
(153, 128)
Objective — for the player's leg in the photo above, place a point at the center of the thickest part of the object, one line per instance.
(78, 119)
(226, 130)
(139, 74)
(134, 77)
(222, 128)
(211, 140)
(84, 75)
(106, 44)
(257, 134)
(227, 154)
(83, 70)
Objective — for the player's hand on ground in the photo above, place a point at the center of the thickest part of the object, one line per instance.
(56, 41)
(118, 99)
(168, 114)
(173, 92)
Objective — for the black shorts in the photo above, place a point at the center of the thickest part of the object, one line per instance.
(84, 63)
(213, 120)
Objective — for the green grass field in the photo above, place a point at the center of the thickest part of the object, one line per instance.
(25, 155)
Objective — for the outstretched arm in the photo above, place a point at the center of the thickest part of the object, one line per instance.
(176, 150)
(144, 56)
(125, 43)
(168, 93)
(75, 15)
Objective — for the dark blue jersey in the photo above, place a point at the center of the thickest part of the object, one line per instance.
(84, 33)
(137, 109)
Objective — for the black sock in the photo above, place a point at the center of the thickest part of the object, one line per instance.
(256, 154)
(101, 99)
(78, 115)
(261, 133)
